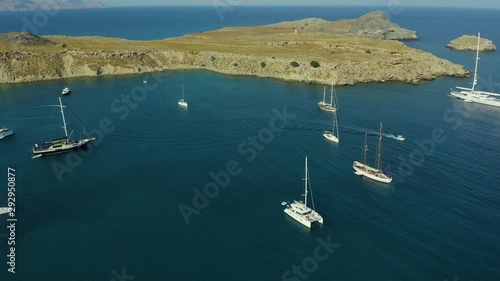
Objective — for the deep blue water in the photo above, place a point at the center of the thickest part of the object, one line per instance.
(117, 206)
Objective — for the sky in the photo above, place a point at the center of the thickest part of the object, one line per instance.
(430, 3)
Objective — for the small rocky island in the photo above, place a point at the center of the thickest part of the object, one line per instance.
(309, 55)
(469, 43)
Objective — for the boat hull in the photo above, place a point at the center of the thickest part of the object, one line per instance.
(327, 107)
(371, 173)
(39, 152)
(4, 210)
(302, 214)
(6, 134)
(476, 98)
(329, 136)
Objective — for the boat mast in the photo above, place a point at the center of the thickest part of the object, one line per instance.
(64, 120)
(331, 98)
(182, 91)
(379, 147)
(324, 94)
(337, 125)
(474, 83)
(365, 148)
(305, 186)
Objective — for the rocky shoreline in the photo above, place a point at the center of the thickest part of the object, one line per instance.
(265, 51)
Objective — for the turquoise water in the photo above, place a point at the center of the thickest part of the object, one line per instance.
(117, 206)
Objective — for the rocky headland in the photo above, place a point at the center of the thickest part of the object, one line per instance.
(273, 51)
(469, 43)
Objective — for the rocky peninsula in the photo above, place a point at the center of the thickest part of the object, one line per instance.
(469, 43)
(274, 51)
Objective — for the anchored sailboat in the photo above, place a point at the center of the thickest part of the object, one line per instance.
(471, 94)
(299, 211)
(364, 170)
(60, 145)
(327, 106)
(333, 135)
(182, 102)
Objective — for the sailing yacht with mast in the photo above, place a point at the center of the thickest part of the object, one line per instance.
(333, 135)
(182, 102)
(471, 94)
(299, 211)
(327, 106)
(60, 145)
(362, 169)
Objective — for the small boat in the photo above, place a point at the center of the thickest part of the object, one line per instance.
(362, 169)
(182, 102)
(400, 138)
(323, 105)
(473, 95)
(4, 132)
(299, 211)
(59, 145)
(66, 91)
(4, 210)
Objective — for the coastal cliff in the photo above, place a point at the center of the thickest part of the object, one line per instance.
(265, 51)
(469, 43)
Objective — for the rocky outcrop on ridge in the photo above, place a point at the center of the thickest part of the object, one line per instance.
(372, 25)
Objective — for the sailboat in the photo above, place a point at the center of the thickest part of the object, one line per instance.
(182, 102)
(299, 211)
(362, 169)
(471, 94)
(327, 106)
(59, 145)
(4, 132)
(333, 135)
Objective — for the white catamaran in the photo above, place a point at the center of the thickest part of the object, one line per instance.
(362, 169)
(323, 105)
(471, 94)
(299, 211)
(60, 145)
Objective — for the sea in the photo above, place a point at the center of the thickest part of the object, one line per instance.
(166, 193)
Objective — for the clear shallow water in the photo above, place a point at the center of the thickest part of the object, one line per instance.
(119, 206)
